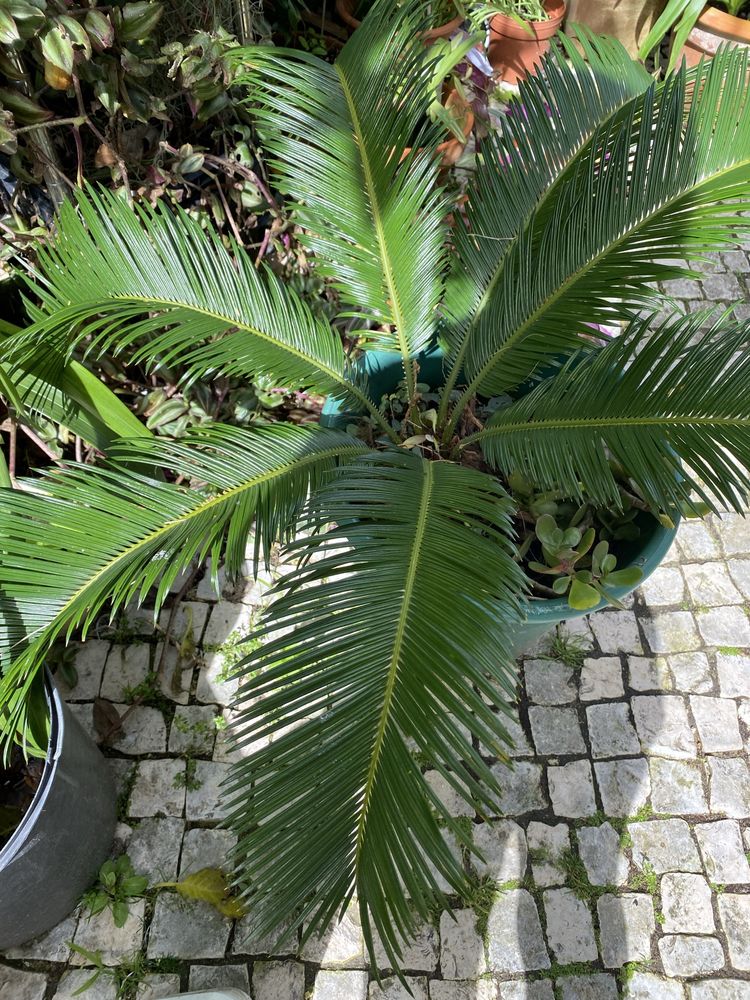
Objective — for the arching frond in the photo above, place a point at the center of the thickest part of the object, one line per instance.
(152, 282)
(337, 134)
(557, 114)
(396, 643)
(90, 537)
(672, 407)
(663, 182)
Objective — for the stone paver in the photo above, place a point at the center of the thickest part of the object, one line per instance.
(601, 678)
(603, 857)
(611, 732)
(650, 673)
(556, 731)
(663, 726)
(691, 672)
(503, 847)
(515, 942)
(730, 786)
(686, 955)
(462, 948)
(677, 786)
(571, 789)
(734, 913)
(666, 845)
(724, 857)
(718, 726)
(594, 987)
(546, 844)
(733, 669)
(549, 682)
(686, 904)
(624, 785)
(20, 985)
(626, 925)
(570, 929)
(183, 928)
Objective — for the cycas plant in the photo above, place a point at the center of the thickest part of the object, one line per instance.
(390, 635)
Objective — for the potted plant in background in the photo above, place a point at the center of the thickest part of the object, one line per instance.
(520, 32)
(478, 390)
(699, 29)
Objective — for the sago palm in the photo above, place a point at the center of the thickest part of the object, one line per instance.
(388, 640)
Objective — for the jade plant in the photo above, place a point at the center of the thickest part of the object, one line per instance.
(390, 637)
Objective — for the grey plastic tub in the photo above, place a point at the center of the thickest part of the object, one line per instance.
(55, 853)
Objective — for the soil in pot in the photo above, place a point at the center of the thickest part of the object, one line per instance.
(514, 49)
(713, 28)
(351, 13)
(18, 784)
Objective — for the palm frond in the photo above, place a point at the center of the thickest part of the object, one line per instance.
(672, 407)
(95, 536)
(336, 134)
(397, 641)
(558, 112)
(152, 282)
(665, 181)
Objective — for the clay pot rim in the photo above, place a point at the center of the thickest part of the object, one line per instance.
(344, 10)
(721, 22)
(503, 25)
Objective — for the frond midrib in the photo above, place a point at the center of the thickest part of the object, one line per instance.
(599, 422)
(398, 316)
(248, 328)
(393, 668)
(201, 509)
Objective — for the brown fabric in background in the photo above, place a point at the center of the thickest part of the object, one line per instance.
(628, 20)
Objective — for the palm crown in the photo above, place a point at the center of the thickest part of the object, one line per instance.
(390, 634)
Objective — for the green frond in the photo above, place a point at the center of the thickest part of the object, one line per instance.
(152, 282)
(90, 537)
(662, 182)
(76, 398)
(394, 646)
(336, 134)
(556, 116)
(672, 407)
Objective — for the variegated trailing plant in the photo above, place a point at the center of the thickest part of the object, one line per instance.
(390, 632)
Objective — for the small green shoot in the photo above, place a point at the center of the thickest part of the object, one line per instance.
(116, 886)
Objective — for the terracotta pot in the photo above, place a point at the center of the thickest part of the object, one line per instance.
(712, 29)
(450, 151)
(344, 9)
(513, 51)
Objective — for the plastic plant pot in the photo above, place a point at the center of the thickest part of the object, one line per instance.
(57, 849)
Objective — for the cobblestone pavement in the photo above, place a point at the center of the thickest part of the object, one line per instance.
(619, 867)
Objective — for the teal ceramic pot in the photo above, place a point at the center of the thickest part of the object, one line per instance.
(383, 371)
